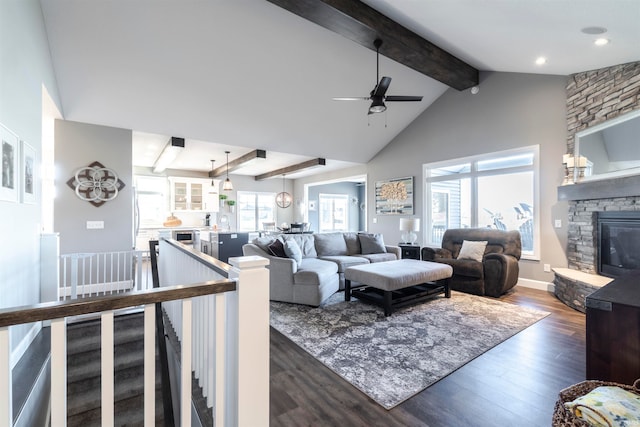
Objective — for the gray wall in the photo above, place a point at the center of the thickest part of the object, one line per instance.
(511, 110)
(77, 146)
(26, 68)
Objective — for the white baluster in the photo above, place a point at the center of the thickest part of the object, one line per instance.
(149, 365)
(185, 374)
(59, 372)
(107, 380)
(6, 386)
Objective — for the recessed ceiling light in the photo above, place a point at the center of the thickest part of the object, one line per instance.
(601, 42)
(594, 30)
(541, 60)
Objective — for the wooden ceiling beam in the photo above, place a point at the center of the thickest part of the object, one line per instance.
(293, 168)
(363, 24)
(237, 163)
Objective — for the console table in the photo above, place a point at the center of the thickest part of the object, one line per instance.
(613, 331)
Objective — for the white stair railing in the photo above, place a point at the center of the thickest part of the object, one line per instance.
(229, 334)
(231, 350)
(104, 273)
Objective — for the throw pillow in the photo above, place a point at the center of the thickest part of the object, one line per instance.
(293, 251)
(353, 244)
(472, 250)
(328, 244)
(371, 244)
(264, 242)
(277, 249)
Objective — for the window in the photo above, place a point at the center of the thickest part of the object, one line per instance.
(496, 190)
(255, 209)
(334, 212)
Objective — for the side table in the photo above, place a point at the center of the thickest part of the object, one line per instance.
(409, 251)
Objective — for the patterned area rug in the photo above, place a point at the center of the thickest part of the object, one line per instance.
(391, 359)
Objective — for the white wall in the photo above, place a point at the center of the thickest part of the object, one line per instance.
(26, 68)
(511, 110)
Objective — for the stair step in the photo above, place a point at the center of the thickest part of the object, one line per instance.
(128, 412)
(86, 335)
(127, 385)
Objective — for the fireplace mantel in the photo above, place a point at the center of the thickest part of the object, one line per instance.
(626, 186)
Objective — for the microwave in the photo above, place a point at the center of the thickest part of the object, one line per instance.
(184, 236)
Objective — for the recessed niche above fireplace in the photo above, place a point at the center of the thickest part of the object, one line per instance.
(618, 242)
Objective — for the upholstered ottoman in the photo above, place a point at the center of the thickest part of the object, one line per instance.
(395, 284)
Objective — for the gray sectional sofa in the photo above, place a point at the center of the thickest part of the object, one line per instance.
(318, 271)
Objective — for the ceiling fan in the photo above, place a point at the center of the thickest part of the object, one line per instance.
(377, 95)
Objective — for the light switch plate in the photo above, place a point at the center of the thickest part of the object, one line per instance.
(375, 220)
(558, 223)
(547, 268)
(95, 225)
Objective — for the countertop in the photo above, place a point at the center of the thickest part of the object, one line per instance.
(624, 290)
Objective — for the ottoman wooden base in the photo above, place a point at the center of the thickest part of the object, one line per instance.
(395, 284)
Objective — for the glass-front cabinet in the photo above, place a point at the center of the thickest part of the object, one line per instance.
(194, 194)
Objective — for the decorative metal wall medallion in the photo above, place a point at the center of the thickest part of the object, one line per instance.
(96, 184)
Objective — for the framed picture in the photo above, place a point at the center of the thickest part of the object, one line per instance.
(394, 196)
(28, 172)
(9, 167)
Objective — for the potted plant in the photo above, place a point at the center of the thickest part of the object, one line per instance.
(222, 198)
(232, 205)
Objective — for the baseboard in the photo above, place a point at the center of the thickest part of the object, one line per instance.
(536, 284)
(21, 348)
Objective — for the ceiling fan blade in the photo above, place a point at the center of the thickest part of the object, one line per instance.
(382, 87)
(352, 98)
(402, 98)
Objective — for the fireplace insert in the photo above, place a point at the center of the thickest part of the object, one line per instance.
(618, 242)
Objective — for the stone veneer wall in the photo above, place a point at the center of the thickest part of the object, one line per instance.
(581, 250)
(593, 97)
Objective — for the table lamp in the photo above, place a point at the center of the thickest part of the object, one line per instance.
(409, 226)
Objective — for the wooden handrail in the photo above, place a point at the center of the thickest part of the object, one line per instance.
(59, 309)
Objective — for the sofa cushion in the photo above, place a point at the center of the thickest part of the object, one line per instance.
(328, 244)
(465, 267)
(353, 243)
(387, 256)
(277, 249)
(293, 251)
(371, 243)
(472, 250)
(305, 242)
(344, 261)
(264, 242)
(311, 271)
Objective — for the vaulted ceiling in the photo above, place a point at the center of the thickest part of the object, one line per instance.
(248, 74)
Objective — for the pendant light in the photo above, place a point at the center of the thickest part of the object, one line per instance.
(227, 186)
(283, 199)
(212, 180)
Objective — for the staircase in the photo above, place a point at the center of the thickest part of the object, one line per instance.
(83, 373)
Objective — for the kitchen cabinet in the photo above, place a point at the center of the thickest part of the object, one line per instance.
(223, 245)
(194, 194)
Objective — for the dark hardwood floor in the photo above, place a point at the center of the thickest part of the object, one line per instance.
(514, 384)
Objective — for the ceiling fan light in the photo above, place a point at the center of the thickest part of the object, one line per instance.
(377, 106)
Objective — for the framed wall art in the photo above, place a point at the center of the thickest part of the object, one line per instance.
(394, 196)
(9, 168)
(28, 172)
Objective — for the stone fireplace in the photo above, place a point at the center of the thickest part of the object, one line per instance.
(592, 98)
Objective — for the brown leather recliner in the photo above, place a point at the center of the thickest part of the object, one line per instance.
(498, 271)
